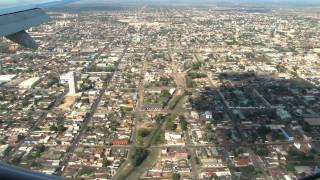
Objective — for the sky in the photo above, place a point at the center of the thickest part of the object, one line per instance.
(11, 3)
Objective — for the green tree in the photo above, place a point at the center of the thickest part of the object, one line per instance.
(139, 155)
(183, 122)
(170, 125)
(143, 132)
(175, 176)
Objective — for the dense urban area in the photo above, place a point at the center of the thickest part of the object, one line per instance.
(165, 93)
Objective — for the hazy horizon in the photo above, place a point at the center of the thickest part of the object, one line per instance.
(169, 2)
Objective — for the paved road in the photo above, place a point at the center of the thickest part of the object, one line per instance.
(258, 163)
(194, 170)
(84, 125)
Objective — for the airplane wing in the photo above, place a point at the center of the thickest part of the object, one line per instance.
(17, 16)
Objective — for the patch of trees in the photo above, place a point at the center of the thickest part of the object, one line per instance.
(160, 139)
(175, 176)
(161, 118)
(183, 122)
(195, 75)
(196, 65)
(165, 93)
(114, 124)
(143, 132)
(281, 68)
(263, 131)
(164, 81)
(39, 149)
(296, 155)
(170, 125)
(59, 127)
(86, 170)
(138, 156)
(262, 151)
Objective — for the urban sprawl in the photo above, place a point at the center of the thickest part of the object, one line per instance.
(165, 93)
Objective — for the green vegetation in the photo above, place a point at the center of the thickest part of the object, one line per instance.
(126, 109)
(183, 122)
(136, 172)
(159, 139)
(164, 81)
(193, 75)
(34, 164)
(249, 55)
(247, 170)
(114, 124)
(170, 125)
(138, 156)
(16, 160)
(160, 117)
(162, 98)
(296, 155)
(277, 135)
(39, 149)
(290, 167)
(262, 151)
(175, 100)
(86, 171)
(281, 68)
(165, 93)
(52, 80)
(189, 82)
(20, 137)
(175, 176)
(263, 131)
(4, 47)
(196, 158)
(106, 163)
(196, 65)
(143, 132)
(59, 126)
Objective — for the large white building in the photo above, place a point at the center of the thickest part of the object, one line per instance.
(72, 82)
(29, 83)
(7, 78)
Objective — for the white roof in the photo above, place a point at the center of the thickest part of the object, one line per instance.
(7, 77)
(29, 81)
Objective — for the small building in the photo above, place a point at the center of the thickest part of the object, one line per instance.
(120, 142)
(208, 114)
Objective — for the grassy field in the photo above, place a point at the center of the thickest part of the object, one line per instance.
(174, 101)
